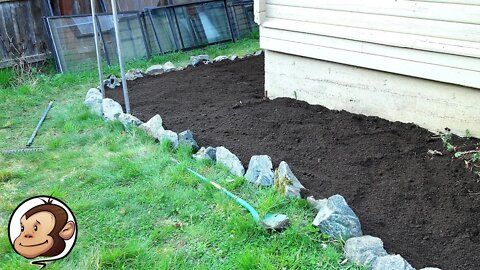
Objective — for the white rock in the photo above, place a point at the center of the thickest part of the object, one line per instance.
(168, 66)
(133, 74)
(286, 182)
(195, 60)
(111, 109)
(317, 204)
(257, 53)
(155, 70)
(364, 250)
(291, 191)
(430, 268)
(170, 136)
(260, 170)
(205, 153)
(233, 57)
(391, 262)
(93, 100)
(154, 126)
(229, 160)
(129, 120)
(220, 58)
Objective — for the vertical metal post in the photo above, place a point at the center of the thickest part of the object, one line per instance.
(54, 46)
(120, 58)
(172, 28)
(155, 31)
(228, 20)
(100, 32)
(97, 48)
(178, 28)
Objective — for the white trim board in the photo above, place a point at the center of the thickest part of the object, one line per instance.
(447, 68)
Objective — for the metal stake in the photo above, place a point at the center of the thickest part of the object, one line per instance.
(120, 59)
(97, 47)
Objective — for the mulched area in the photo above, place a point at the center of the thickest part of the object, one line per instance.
(425, 208)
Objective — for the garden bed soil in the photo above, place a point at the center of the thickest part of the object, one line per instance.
(425, 208)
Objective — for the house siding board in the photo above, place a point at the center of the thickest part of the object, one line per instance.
(418, 34)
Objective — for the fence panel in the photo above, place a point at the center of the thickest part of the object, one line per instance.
(241, 16)
(132, 39)
(21, 29)
(201, 24)
(153, 31)
(73, 43)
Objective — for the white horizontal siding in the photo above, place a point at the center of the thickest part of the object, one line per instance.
(424, 27)
(409, 9)
(371, 56)
(465, 2)
(436, 40)
(449, 46)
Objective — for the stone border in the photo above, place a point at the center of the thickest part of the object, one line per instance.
(334, 217)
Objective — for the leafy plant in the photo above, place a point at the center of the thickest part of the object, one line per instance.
(446, 140)
(475, 157)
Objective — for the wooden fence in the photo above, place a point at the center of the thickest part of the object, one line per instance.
(21, 32)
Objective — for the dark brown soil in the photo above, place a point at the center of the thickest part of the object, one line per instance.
(425, 208)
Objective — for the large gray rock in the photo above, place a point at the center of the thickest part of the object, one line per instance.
(220, 58)
(229, 160)
(336, 219)
(169, 136)
(195, 60)
(129, 120)
(391, 262)
(186, 138)
(260, 170)
(364, 250)
(155, 70)
(93, 100)
(133, 74)
(168, 66)
(111, 109)
(208, 153)
(286, 182)
(154, 126)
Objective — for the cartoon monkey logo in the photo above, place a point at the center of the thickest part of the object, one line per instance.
(42, 226)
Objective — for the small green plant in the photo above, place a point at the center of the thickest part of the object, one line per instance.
(295, 94)
(468, 135)
(475, 157)
(446, 140)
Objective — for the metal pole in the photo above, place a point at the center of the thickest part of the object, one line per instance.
(120, 59)
(34, 134)
(97, 47)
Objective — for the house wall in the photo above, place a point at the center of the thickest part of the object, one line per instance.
(417, 55)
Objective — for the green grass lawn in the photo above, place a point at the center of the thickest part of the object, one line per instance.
(134, 208)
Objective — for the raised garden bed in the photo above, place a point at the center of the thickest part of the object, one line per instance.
(424, 208)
